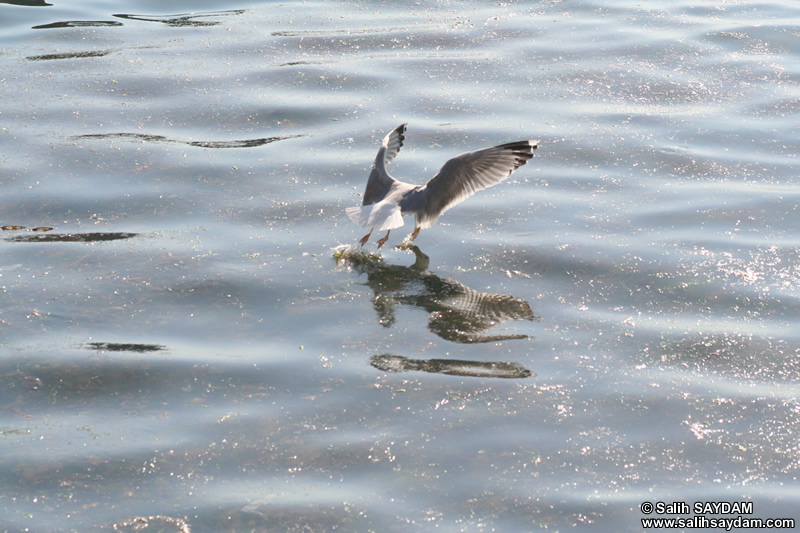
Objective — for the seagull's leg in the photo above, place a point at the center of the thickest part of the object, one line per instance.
(381, 242)
(406, 244)
(365, 238)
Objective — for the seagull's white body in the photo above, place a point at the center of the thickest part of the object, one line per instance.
(386, 199)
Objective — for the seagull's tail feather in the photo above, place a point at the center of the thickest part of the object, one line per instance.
(381, 216)
(359, 215)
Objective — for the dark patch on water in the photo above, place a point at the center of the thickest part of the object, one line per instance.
(124, 347)
(73, 237)
(69, 55)
(27, 3)
(78, 24)
(143, 137)
(183, 19)
(453, 367)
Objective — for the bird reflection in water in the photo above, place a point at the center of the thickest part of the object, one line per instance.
(456, 312)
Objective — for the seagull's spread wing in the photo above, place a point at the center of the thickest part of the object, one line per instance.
(379, 180)
(393, 142)
(468, 173)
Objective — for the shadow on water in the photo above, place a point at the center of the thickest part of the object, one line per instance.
(177, 20)
(39, 235)
(77, 24)
(69, 55)
(452, 367)
(456, 312)
(183, 19)
(27, 3)
(72, 237)
(124, 347)
(245, 143)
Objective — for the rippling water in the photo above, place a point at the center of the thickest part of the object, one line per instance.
(187, 346)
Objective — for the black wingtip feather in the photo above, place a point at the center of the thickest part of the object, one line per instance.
(523, 150)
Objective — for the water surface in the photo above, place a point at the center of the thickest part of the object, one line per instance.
(613, 325)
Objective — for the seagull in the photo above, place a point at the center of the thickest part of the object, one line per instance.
(387, 200)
